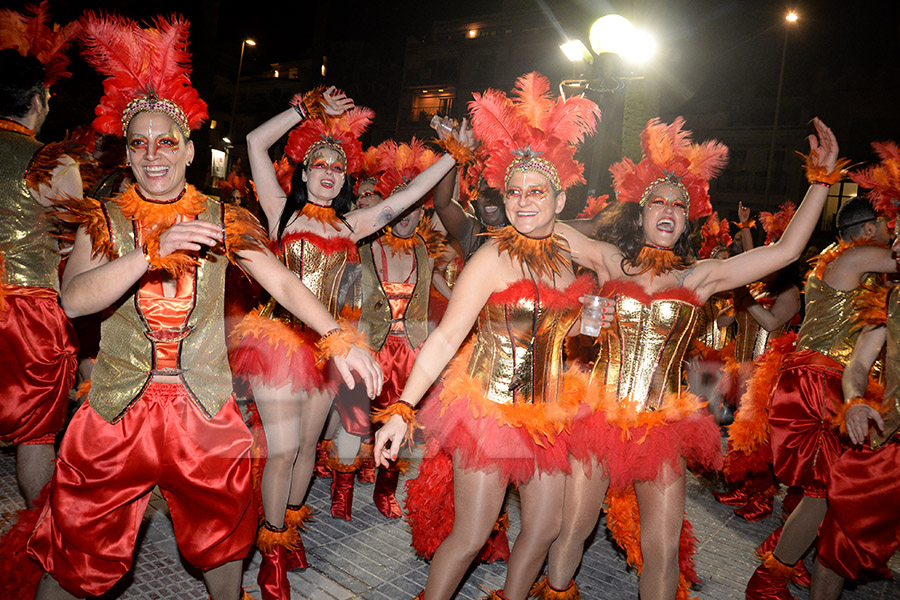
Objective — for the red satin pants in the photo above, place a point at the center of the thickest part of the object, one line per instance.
(85, 538)
(37, 367)
(860, 531)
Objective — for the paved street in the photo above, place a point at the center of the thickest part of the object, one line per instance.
(371, 558)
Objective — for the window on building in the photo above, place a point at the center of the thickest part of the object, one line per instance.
(838, 194)
(429, 102)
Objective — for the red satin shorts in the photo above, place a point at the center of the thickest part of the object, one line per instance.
(85, 538)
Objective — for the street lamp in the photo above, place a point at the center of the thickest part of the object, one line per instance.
(791, 18)
(237, 83)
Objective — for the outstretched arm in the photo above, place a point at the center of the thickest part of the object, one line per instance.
(475, 285)
(711, 276)
(592, 254)
(289, 291)
(271, 195)
(787, 304)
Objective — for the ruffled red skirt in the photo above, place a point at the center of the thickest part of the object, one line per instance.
(647, 446)
(804, 444)
(860, 531)
(37, 366)
(278, 353)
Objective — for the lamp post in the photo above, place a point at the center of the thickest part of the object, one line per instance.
(237, 84)
(791, 18)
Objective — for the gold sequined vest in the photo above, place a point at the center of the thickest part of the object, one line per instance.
(708, 331)
(124, 364)
(518, 350)
(828, 325)
(640, 355)
(375, 320)
(27, 247)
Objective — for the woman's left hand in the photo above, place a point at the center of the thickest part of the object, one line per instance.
(824, 144)
(336, 102)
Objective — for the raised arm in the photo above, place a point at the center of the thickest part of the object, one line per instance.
(600, 257)
(855, 380)
(787, 304)
(459, 224)
(271, 195)
(711, 276)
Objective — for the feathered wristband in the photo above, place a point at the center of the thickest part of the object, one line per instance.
(818, 174)
(406, 412)
(751, 224)
(461, 153)
(840, 419)
(339, 341)
(309, 105)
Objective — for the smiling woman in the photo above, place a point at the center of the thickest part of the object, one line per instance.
(158, 154)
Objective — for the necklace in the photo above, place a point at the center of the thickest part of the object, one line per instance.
(656, 259)
(323, 214)
(542, 256)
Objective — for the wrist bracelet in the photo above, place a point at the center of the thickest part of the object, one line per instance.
(297, 103)
(817, 182)
(339, 341)
(145, 253)
(404, 402)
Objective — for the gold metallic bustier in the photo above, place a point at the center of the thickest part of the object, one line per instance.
(515, 370)
(829, 320)
(708, 332)
(320, 271)
(750, 338)
(27, 247)
(641, 354)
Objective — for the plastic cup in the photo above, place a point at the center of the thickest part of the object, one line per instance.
(592, 314)
(442, 124)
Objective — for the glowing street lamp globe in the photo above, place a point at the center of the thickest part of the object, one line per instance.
(615, 34)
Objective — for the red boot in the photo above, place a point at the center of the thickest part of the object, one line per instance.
(768, 545)
(296, 516)
(323, 451)
(736, 497)
(800, 575)
(385, 486)
(759, 506)
(366, 473)
(542, 590)
(275, 544)
(342, 477)
(770, 581)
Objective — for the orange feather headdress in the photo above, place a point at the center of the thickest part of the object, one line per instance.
(882, 180)
(400, 163)
(531, 131)
(593, 205)
(340, 134)
(775, 223)
(146, 69)
(234, 181)
(716, 234)
(670, 156)
(31, 34)
(370, 170)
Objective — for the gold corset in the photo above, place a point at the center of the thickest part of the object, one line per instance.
(829, 321)
(750, 338)
(641, 354)
(319, 269)
(514, 370)
(708, 332)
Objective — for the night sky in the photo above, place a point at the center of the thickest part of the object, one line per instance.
(708, 47)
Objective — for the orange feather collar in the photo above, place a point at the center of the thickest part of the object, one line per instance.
(323, 214)
(544, 256)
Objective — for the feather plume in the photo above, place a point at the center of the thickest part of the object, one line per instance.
(32, 33)
(138, 62)
(337, 132)
(775, 223)
(882, 179)
(715, 234)
(401, 163)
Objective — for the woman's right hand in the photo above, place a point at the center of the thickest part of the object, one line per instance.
(336, 102)
(364, 364)
(823, 144)
(743, 213)
(388, 440)
(465, 136)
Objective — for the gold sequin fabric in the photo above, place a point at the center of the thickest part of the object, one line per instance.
(891, 374)
(708, 332)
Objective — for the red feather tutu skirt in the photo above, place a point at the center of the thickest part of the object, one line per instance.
(633, 445)
(278, 353)
(467, 430)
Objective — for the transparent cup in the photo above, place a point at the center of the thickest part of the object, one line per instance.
(592, 314)
(442, 124)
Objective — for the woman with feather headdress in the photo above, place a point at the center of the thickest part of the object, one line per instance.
(507, 404)
(637, 443)
(316, 238)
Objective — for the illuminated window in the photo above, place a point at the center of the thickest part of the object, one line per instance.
(427, 103)
(472, 33)
(838, 194)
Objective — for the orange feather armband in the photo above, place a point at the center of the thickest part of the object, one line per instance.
(461, 153)
(818, 174)
(339, 341)
(840, 419)
(406, 412)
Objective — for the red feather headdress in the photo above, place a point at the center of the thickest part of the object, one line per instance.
(670, 156)
(370, 170)
(531, 131)
(31, 34)
(775, 223)
(400, 163)
(882, 180)
(716, 234)
(341, 134)
(147, 70)
(593, 205)
(234, 181)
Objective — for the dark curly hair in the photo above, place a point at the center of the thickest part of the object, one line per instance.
(298, 198)
(23, 77)
(621, 225)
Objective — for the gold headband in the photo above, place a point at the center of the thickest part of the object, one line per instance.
(534, 164)
(150, 103)
(671, 181)
(327, 142)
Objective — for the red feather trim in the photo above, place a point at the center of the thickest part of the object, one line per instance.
(871, 305)
(284, 172)
(328, 245)
(21, 574)
(715, 235)
(87, 213)
(631, 289)
(31, 33)
(138, 62)
(524, 289)
(883, 179)
(816, 173)
(342, 132)
(874, 399)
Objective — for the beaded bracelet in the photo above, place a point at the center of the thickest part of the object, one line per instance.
(817, 182)
(297, 103)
